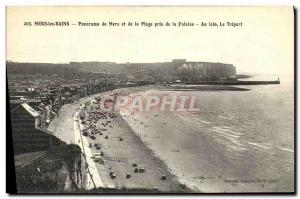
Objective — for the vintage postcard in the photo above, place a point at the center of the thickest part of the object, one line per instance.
(141, 99)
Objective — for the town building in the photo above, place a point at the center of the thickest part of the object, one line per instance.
(26, 131)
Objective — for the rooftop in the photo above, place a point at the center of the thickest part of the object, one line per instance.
(30, 110)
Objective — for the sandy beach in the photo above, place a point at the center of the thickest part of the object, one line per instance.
(120, 157)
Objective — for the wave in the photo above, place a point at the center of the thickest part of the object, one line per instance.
(259, 145)
(224, 117)
(286, 149)
(227, 129)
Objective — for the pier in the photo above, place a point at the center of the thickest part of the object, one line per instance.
(236, 82)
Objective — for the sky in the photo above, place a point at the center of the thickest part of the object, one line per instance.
(263, 44)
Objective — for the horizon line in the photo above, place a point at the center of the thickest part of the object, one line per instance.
(69, 62)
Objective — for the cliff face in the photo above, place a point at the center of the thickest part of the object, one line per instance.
(59, 170)
(198, 71)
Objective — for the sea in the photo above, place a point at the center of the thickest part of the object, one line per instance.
(239, 141)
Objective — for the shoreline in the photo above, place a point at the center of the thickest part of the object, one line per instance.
(134, 151)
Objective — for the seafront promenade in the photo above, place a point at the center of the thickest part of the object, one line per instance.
(93, 177)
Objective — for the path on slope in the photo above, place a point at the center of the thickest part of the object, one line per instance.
(64, 128)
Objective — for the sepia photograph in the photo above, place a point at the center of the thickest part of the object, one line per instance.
(151, 99)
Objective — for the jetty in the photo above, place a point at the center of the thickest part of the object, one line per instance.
(235, 82)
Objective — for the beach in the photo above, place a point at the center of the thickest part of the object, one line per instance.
(119, 156)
